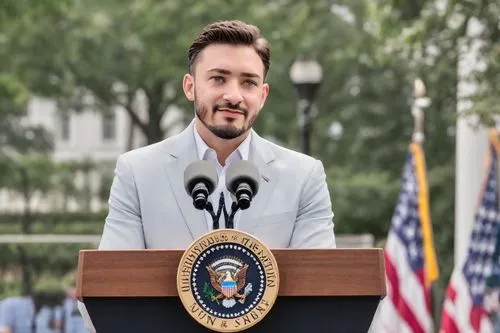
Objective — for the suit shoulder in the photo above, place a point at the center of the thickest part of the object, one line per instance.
(149, 152)
(139, 153)
(290, 156)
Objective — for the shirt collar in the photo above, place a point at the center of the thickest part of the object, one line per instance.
(203, 149)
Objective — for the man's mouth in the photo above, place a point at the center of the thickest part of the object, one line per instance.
(231, 111)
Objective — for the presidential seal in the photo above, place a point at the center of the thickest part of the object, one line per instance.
(228, 280)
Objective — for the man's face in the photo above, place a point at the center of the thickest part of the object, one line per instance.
(227, 88)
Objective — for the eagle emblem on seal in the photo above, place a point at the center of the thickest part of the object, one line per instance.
(228, 277)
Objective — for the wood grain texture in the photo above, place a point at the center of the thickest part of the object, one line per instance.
(311, 272)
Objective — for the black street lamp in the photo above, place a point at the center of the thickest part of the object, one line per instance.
(306, 75)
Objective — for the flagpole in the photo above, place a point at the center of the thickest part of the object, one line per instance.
(420, 103)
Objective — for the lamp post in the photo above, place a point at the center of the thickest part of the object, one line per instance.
(306, 75)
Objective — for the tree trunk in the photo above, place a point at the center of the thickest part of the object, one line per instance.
(26, 220)
(26, 283)
(26, 286)
(88, 191)
(155, 132)
(130, 138)
(64, 207)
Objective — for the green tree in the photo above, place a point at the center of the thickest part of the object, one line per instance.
(85, 167)
(105, 183)
(16, 135)
(65, 180)
(133, 53)
(28, 174)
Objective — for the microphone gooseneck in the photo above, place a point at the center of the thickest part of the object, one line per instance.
(230, 220)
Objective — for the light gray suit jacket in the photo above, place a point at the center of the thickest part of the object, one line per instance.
(149, 207)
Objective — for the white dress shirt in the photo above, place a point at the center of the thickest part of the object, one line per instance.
(208, 154)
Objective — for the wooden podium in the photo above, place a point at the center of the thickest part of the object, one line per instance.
(335, 290)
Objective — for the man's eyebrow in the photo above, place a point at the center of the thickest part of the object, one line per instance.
(227, 72)
(219, 70)
(253, 75)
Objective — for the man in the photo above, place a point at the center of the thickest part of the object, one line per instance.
(148, 205)
(37, 313)
(71, 319)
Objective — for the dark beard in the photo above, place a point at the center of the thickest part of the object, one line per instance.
(228, 131)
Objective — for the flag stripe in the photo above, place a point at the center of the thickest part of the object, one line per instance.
(403, 309)
(407, 287)
(457, 302)
(447, 323)
(394, 326)
(432, 272)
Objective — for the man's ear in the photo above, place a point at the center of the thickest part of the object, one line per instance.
(188, 86)
(265, 93)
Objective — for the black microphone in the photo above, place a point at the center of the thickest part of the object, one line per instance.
(200, 180)
(242, 181)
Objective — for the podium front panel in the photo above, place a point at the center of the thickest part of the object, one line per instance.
(293, 314)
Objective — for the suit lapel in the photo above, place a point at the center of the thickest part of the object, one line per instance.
(184, 152)
(261, 155)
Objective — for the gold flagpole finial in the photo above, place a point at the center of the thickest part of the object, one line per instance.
(420, 102)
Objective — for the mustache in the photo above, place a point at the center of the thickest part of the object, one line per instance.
(230, 106)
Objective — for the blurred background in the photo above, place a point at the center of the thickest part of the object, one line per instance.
(82, 82)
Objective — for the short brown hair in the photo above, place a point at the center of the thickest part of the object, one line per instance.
(230, 32)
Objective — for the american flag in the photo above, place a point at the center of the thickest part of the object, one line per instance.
(410, 259)
(464, 308)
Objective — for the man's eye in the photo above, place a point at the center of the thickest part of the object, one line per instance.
(250, 83)
(217, 78)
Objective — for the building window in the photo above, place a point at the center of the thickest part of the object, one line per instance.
(65, 126)
(109, 125)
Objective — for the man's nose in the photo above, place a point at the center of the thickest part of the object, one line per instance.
(233, 94)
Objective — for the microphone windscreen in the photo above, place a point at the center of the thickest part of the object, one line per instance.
(200, 171)
(242, 171)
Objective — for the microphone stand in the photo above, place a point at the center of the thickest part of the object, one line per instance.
(229, 218)
(215, 217)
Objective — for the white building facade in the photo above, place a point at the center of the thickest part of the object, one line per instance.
(88, 135)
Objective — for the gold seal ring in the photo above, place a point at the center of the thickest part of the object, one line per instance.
(228, 280)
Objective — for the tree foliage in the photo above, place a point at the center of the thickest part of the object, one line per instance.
(133, 54)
